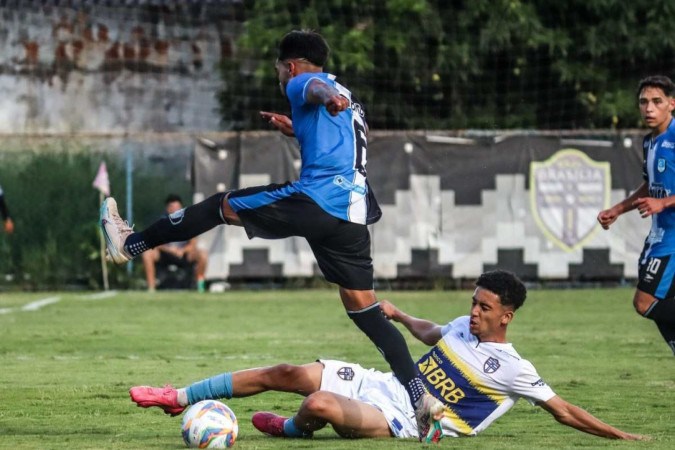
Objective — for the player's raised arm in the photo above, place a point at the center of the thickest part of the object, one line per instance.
(424, 330)
(575, 417)
(320, 93)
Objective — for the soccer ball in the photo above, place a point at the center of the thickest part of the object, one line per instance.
(209, 424)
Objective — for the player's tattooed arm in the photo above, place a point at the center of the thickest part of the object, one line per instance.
(320, 93)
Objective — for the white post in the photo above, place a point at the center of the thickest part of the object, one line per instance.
(104, 266)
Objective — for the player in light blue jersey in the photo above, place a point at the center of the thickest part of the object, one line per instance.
(333, 149)
(471, 368)
(330, 205)
(655, 197)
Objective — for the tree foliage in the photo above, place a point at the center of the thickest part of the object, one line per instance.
(458, 64)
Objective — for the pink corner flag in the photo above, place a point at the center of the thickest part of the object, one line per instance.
(102, 182)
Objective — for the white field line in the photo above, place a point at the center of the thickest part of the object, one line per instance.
(37, 304)
(100, 295)
(32, 306)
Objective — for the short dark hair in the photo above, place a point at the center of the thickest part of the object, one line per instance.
(657, 81)
(305, 44)
(506, 285)
(173, 198)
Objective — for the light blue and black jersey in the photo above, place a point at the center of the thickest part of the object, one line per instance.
(333, 152)
(659, 173)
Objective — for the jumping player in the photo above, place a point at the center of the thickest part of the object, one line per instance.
(655, 294)
(330, 205)
(471, 368)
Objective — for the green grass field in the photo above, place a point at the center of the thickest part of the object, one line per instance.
(66, 366)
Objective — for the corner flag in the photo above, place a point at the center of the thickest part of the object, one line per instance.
(102, 182)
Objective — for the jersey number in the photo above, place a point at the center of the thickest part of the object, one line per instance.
(653, 266)
(361, 146)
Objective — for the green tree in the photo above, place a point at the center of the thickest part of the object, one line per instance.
(459, 64)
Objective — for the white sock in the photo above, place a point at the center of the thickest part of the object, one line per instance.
(182, 398)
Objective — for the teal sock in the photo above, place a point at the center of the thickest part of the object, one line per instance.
(291, 430)
(212, 388)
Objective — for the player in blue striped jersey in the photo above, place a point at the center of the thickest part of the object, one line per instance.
(470, 368)
(655, 294)
(330, 205)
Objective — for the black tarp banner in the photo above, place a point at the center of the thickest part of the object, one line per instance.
(452, 207)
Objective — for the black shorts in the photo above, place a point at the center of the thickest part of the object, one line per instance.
(341, 248)
(655, 276)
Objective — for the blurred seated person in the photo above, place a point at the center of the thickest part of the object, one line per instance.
(183, 255)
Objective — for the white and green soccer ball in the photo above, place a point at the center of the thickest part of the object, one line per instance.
(209, 424)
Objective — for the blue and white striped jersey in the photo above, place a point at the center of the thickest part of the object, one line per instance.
(659, 172)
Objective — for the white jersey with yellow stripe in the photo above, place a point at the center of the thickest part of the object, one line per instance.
(477, 381)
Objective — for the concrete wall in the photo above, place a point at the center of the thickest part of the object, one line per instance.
(75, 68)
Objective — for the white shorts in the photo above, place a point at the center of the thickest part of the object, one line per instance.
(381, 390)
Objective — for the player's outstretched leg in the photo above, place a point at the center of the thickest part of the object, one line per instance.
(165, 398)
(123, 244)
(303, 380)
(115, 230)
(391, 343)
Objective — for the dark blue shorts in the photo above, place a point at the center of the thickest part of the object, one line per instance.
(341, 248)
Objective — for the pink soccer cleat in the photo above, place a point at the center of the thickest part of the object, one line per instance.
(269, 423)
(273, 425)
(165, 398)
